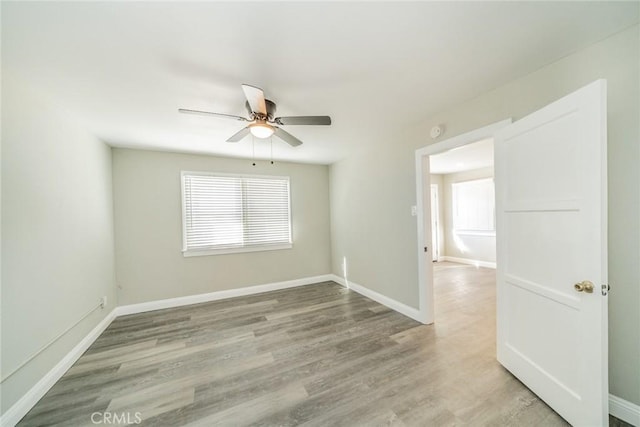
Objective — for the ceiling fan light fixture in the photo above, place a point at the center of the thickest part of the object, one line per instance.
(261, 130)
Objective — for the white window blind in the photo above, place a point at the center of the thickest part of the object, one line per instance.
(234, 213)
(474, 206)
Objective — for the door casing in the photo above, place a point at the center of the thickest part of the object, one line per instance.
(435, 220)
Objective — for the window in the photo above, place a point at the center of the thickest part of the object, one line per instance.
(225, 213)
(474, 207)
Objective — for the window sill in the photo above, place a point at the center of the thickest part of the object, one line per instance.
(207, 252)
(487, 233)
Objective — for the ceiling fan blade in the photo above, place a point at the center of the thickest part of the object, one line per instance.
(287, 137)
(239, 135)
(208, 113)
(255, 96)
(304, 120)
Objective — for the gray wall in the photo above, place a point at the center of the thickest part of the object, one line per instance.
(148, 224)
(57, 234)
(478, 248)
(371, 193)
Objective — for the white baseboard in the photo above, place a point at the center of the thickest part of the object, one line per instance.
(475, 262)
(401, 308)
(624, 410)
(35, 393)
(219, 295)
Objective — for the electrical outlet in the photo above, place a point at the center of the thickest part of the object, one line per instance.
(103, 302)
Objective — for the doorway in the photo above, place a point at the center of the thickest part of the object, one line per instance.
(465, 265)
(426, 224)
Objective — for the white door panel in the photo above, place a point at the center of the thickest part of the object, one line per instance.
(543, 152)
(544, 248)
(551, 234)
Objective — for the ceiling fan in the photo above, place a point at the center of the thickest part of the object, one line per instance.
(261, 115)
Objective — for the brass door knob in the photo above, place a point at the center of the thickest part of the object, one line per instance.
(584, 286)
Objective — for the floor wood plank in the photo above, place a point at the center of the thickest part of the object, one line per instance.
(316, 355)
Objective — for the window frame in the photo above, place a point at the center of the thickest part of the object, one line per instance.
(186, 252)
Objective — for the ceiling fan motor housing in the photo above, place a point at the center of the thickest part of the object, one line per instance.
(271, 110)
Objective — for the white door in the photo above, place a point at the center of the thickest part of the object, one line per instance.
(551, 207)
(435, 207)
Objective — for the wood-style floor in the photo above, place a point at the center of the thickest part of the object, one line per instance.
(318, 355)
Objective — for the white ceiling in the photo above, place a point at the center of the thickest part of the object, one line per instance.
(123, 68)
(468, 157)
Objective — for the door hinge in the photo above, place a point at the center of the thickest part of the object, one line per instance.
(605, 289)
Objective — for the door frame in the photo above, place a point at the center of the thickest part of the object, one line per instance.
(435, 235)
(423, 209)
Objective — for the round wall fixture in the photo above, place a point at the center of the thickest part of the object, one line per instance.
(436, 131)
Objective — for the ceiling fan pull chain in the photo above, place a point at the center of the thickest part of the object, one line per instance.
(253, 149)
(271, 143)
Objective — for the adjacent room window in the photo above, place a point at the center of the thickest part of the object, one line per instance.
(225, 213)
(474, 207)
